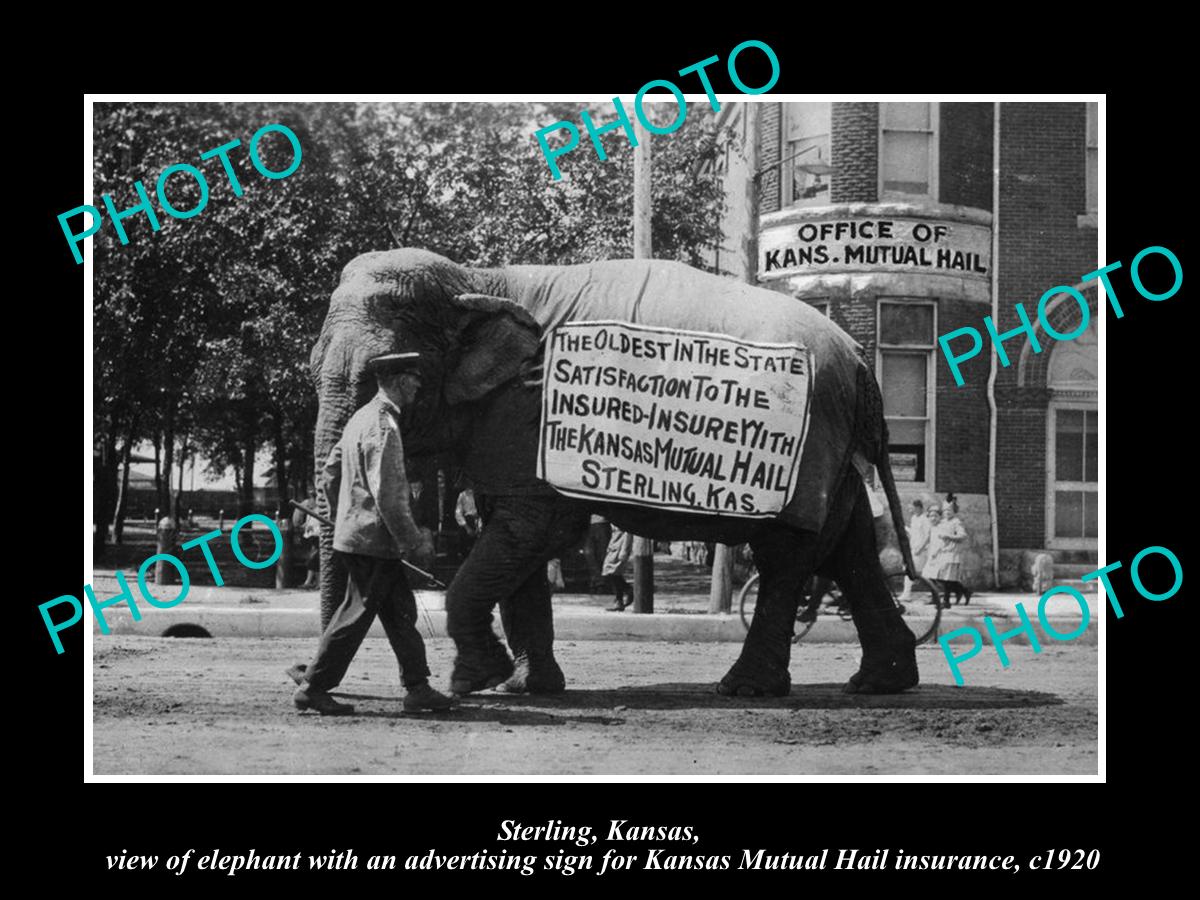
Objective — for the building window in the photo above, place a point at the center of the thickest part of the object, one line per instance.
(1093, 159)
(806, 146)
(821, 306)
(1075, 479)
(905, 369)
(908, 151)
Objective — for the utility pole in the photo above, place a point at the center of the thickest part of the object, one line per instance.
(643, 248)
(720, 595)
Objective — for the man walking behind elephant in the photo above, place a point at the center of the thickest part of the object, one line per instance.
(525, 524)
(368, 496)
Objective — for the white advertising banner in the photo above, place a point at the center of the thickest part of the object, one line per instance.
(681, 420)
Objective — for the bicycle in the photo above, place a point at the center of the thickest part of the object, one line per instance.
(819, 588)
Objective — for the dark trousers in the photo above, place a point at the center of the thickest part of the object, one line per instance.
(507, 565)
(375, 587)
(312, 560)
(594, 547)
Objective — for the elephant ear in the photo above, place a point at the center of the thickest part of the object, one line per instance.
(495, 340)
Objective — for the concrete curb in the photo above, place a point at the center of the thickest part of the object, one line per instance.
(570, 624)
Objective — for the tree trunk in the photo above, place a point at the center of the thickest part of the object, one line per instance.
(177, 503)
(246, 504)
(237, 475)
(720, 590)
(164, 491)
(123, 486)
(104, 476)
(281, 468)
(157, 464)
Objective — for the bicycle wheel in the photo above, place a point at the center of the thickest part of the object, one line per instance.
(922, 585)
(749, 589)
(807, 612)
(748, 601)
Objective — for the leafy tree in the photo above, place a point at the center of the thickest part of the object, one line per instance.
(203, 329)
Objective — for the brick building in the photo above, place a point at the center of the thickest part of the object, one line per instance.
(884, 216)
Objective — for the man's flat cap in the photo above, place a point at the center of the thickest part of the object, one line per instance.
(390, 363)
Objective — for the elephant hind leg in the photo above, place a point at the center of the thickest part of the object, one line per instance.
(786, 559)
(889, 660)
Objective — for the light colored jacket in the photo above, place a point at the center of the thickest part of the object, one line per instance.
(919, 531)
(366, 487)
(947, 545)
(620, 548)
(466, 514)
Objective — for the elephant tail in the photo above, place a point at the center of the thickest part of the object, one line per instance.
(874, 437)
(884, 466)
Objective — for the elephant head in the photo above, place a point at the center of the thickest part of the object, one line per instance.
(471, 337)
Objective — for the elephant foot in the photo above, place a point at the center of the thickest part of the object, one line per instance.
(891, 674)
(744, 681)
(535, 674)
(889, 660)
(479, 666)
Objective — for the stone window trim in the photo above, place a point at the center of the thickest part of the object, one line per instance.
(823, 305)
(1053, 540)
(1091, 163)
(788, 162)
(934, 139)
(930, 480)
(1062, 312)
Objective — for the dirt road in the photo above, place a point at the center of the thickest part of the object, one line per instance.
(223, 706)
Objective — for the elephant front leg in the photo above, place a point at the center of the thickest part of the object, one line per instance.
(785, 560)
(528, 620)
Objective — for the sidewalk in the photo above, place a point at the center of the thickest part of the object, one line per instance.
(681, 613)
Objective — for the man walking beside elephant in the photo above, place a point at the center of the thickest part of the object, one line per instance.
(525, 524)
(368, 497)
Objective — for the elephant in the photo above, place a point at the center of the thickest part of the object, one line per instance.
(483, 332)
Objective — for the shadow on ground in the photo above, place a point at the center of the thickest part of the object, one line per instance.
(475, 708)
(807, 696)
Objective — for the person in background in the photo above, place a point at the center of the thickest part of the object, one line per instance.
(948, 546)
(954, 544)
(312, 541)
(595, 547)
(620, 548)
(416, 487)
(933, 515)
(554, 575)
(918, 539)
(467, 517)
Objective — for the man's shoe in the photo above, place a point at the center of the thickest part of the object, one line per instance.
(624, 600)
(319, 701)
(423, 697)
(479, 666)
(297, 672)
(535, 674)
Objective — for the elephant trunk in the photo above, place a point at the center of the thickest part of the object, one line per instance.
(343, 385)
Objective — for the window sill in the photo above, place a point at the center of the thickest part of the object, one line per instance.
(898, 197)
(1087, 220)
